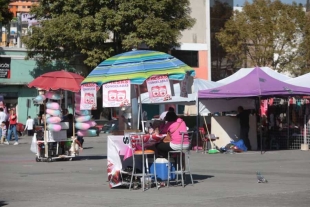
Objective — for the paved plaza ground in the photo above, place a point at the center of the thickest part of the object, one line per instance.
(220, 180)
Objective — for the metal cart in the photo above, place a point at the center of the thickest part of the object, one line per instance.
(57, 150)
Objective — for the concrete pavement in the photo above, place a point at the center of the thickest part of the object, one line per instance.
(221, 180)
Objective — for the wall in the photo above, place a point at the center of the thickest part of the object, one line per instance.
(20, 76)
(226, 128)
(197, 34)
(20, 72)
(23, 93)
(202, 70)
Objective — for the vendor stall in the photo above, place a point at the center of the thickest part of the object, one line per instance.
(258, 83)
(117, 74)
(304, 117)
(120, 160)
(54, 143)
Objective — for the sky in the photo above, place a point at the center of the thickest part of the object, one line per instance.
(241, 2)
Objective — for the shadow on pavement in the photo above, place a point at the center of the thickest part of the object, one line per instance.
(3, 203)
(96, 157)
(197, 177)
(84, 148)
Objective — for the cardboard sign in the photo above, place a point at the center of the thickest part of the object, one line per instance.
(88, 97)
(159, 88)
(116, 94)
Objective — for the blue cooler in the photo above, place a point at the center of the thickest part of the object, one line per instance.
(162, 169)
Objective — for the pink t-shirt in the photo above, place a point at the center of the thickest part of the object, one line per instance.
(172, 127)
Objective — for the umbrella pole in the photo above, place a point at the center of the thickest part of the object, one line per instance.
(138, 116)
(140, 112)
(45, 131)
(73, 106)
(73, 125)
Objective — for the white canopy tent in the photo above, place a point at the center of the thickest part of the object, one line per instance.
(303, 81)
(218, 105)
(197, 84)
(245, 71)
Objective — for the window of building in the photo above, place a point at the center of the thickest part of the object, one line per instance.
(28, 7)
(16, 7)
(187, 56)
(24, 7)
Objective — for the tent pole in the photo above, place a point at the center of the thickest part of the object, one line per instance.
(288, 122)
(305, 129)
(260, 126)
(305, 123)
(197, 122)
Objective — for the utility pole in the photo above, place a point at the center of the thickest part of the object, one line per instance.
(308, 6)
(19, 30)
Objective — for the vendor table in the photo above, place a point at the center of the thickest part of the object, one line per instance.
(120, 156)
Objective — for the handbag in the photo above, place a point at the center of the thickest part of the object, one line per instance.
(167, 139)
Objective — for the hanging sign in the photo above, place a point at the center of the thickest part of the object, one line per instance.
(158, 88)
(183, 87)
(116, 94)
(5, 67)
(88, 97)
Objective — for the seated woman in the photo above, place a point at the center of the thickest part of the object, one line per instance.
(174, 125)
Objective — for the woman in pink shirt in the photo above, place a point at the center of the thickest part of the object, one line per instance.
(174, 125)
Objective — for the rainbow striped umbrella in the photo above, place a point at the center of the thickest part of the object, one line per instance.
(137, 66)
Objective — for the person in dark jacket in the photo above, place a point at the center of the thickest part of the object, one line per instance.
(243, 116)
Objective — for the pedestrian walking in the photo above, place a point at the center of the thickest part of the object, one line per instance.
(2, 118)
(3, 132)
(29, 126)
(12, 128)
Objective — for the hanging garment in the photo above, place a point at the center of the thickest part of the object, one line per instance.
(270, 101)
(263, 107)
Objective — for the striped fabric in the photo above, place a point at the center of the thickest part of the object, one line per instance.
(137, 66)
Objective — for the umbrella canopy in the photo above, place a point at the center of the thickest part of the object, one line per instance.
(137, 66)
(255, 83)
(58, 80)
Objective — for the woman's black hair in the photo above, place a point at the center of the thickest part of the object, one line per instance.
(171, 116)
(70, 117)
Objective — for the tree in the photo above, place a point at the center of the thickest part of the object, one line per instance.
(268, 33)
(95, 30)
(5, 14)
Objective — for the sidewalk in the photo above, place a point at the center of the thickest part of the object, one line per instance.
(220, 180)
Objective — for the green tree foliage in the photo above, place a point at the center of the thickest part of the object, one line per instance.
(5, 14)
(95, 30)
(268, 33)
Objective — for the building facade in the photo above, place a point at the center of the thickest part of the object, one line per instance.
(13, 87)
(196, 49)
(198, 45)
